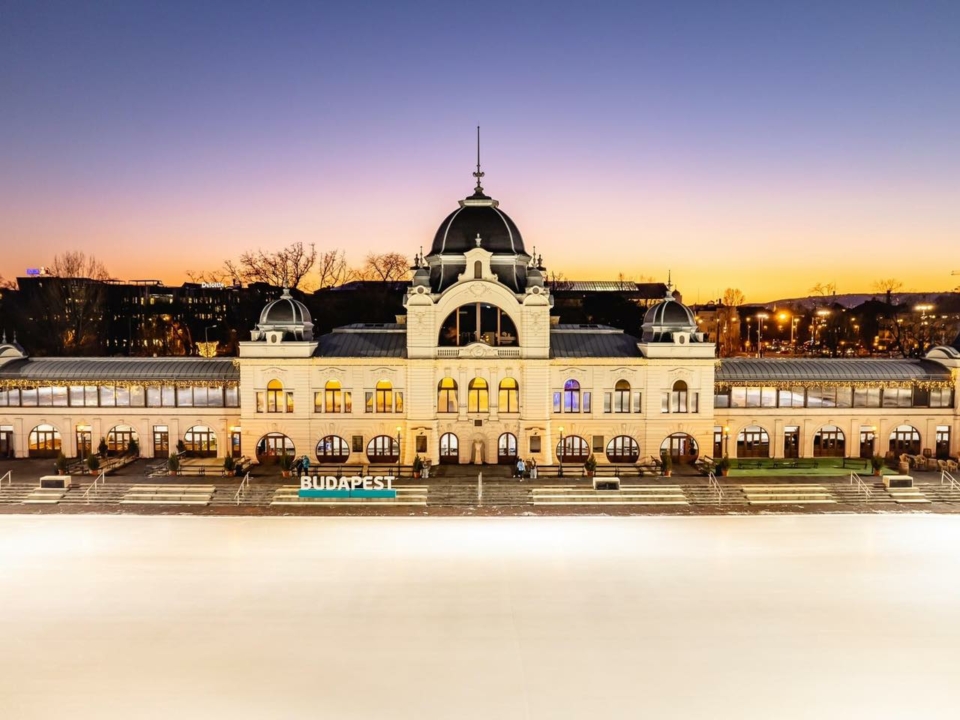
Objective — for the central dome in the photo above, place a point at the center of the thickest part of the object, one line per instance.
(477, 216)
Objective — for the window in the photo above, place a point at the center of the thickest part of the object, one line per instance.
(232, 397)
(571, 396)
(866, 397)
(332, 398)
(573, 449)
(598, 443)
(357, 442)
(384, 397)
(509, 398)
(383, 449)
(722, 399)
(678, 397)
(161, 441)
(274, 396)
(332, 449)
(621, 397)
(421, 443)
(752, 442)
(447, 396)
(623, 449)
(289, 397)
(941, 397)
(535, 443)
(478, 397)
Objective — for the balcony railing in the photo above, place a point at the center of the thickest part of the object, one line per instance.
(470, 351)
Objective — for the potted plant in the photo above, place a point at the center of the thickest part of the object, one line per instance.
(93, 464)
(229, 465)
(173, 463)
(724, 466)
(417, 466)
(877, 462)
(102, 448)
(286, 462)
(61, 464)
(133, 448)
(590, 465)
(667, 464)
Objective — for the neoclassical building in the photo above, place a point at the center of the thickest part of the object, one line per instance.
(477, 370)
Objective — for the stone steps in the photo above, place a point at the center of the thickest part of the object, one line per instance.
(626, 495)
(794, 494)
(410, 495)
(168, 495)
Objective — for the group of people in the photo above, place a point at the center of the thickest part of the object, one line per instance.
(301, 466)
(525, 468)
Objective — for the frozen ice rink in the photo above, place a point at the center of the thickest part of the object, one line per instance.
(737, 617)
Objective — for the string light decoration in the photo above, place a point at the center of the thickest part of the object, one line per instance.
(21, 384)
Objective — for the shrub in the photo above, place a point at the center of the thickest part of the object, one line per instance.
(93, 462)
(724, 463)
(286, 462)
(229, 464)
(667, 461)
(61, 462)
(417, 464)
(591, 464)
(877, 462)
(133, 448)
(173, 462)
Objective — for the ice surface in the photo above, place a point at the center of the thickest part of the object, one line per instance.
(722, 617)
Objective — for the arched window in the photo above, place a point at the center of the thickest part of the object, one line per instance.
(271, 446)
(681, 448)
(333, 397)
(200, 441)
(621, 397)
(274, 396)
(573, 449)
(753, 442)
(829, 442)
(447, 395)
(623, 449)
(478, 270)
(384, 396)
(383, 449)
(509, 396)
(332, 449)
(449, 449)
(44, 442)
(905, 439)
(571, 396)
(477, 322)
(678, 397)
(478, 397)
(119, 438)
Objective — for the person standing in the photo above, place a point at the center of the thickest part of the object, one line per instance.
(521, 468)
(533, 469)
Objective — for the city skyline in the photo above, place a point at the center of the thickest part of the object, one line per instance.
(770, 149)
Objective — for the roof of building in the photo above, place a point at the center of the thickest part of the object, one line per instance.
(478, 215)
(285, 310)
(364, 340)
(759, 370)
(644, 290)
(133, 369)
(585, 341)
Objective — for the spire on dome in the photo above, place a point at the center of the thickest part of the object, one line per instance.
(478, 190)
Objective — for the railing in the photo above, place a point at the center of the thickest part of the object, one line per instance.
(92, 487)
(244, 486)
(861, 486)
(944, 477)
(471, 350)
(8, 476)
(714, 485)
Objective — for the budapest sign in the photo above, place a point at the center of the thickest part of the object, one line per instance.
(356, 486)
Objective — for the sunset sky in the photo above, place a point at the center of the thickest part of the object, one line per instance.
(767, 146)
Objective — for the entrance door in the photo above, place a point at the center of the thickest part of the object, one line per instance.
(235, 443)
(867, 438)
(507, 449)
(161, 441)
(681, 448)
(6, 443)
(791, 442)
(84, 441)
(44, 442)
(118, 440)
(449, 449)
(943, 442)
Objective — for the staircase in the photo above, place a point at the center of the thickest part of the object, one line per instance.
(408, 495)
(16, 493)
(782, 494)
(169, 495)
(940, 492)
(626, 495)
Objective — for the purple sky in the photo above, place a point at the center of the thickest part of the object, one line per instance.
(766, 146)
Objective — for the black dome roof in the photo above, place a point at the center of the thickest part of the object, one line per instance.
(670, 312)
(477, 215)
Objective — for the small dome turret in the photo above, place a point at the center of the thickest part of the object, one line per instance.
(669, 319)
(284, 319)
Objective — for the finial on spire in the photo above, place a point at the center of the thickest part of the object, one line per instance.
(478, 240)
(4, 340)
(479, 173)
(670, 284)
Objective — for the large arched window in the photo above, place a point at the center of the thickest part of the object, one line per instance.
(449, 449)
(384, 396)
(623, 449)
(478, 396)
(333, 397)
(44, 442)
(477, 322)
(678, 397)
(507, 449)
(621, 397)
(508, 399)
(119, 438)
(829, 441)
(571, 396)
(274, 396)
(271, 446)
(681, 448)
(573, 449)
(447, 395)
(753, 442)
(332, 449)
(905, 439)
(200, 441)
(383, 449)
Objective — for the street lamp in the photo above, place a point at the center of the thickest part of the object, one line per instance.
(560, 454)
(760, 318)
(822, 314)
(398, 451)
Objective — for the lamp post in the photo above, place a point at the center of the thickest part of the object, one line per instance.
(821, 314)
(760, 318)
(560, 454)
(398, 451)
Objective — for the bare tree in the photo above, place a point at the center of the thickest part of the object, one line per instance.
(77, 264)
(733, 297)
(557, 281)
(824, 289)
(7, 284)
(71, 304)
(386, 266)
(210, 276)
(888, 287)
(332, 268)
(287, 267)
